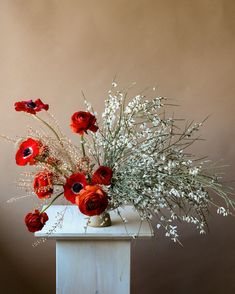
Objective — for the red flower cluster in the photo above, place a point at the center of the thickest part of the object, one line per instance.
(31, 106)
(82, 122)
(27, 152)
(74, 184)
(35, 221)
(92, 200)
(102, 176)
(43, 184)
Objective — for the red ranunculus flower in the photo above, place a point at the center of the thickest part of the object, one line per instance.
(92, 200)
(102, 176)
(35, 221)
(27, 152)
(74, 184)
(82, 122)
(31, 106)
(43, 184)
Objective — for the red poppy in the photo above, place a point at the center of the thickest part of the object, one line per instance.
(102, 176)
(43, 184)
(92, 200)
(31, 106)
(27, 152)
(74, 184)
(82, 122)
(35, 221)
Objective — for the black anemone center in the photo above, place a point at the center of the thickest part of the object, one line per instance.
(27, 152)
(77, 187)
(31, 104)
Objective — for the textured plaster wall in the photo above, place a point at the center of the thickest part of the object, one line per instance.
(52, 49)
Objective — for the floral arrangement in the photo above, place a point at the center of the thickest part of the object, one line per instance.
(133, 154)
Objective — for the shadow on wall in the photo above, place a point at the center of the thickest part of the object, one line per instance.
(13, 279)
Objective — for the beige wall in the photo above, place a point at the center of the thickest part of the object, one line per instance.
(53, 49)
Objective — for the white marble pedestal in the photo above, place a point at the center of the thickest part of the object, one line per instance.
(95, 261)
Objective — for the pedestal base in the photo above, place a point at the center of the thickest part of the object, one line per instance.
(95, 260)
(93, 267)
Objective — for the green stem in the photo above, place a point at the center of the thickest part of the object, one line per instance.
(55, 133)
(46, 124)
(45, 208)
(82, 144)
(52, 165)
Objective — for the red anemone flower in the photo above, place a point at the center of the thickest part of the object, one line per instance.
(43, 184)
(27, 152)
(36, 220)
(102, 176)
(83, 121)
(74, 184)
(31, 106)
